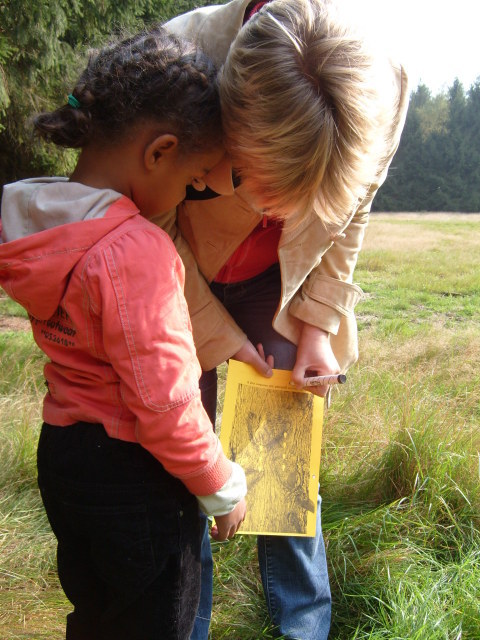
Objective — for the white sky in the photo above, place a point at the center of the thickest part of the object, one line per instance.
(437, 40)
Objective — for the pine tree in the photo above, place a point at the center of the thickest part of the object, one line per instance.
(472, 150)
(437, 166)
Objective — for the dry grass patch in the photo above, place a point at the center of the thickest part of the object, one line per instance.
(387, 233)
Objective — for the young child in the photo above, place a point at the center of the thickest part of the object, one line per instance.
(126, 453)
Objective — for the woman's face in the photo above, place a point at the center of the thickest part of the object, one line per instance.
(253, 192)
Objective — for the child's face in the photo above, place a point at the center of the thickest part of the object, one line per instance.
(168, 186)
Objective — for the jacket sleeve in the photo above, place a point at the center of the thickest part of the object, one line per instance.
(135, 285)
(216, 335)
(213, 28)
(328, 293)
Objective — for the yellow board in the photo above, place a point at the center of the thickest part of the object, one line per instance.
(274, 431)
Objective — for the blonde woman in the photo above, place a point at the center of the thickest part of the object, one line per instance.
(312, 118)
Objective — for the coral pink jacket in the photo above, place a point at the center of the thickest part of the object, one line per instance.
(104, 291)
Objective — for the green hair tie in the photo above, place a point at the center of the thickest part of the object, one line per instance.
(73, 102)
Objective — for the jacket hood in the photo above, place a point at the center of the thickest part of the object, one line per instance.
(47, 225)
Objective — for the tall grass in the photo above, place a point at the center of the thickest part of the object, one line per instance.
(29, 591)
(400, 470)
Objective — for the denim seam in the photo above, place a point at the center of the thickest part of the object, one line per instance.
(269, 587)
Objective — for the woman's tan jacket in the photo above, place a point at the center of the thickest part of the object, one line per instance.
(316, 262)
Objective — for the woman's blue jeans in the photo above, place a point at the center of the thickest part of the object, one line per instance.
(293, 569)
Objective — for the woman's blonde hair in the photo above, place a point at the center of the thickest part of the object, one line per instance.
(301, 110)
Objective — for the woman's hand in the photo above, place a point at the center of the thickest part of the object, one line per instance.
(255, 357)
(226, 526)
(315, 355)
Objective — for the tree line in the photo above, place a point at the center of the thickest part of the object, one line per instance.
(437, 165)
(43, 46)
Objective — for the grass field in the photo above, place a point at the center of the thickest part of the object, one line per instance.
(400, 470)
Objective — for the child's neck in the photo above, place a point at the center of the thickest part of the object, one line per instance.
(102, 169)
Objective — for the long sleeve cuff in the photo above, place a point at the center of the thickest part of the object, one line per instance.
(228, 496)
(323, 301)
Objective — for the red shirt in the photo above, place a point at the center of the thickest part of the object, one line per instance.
(256, 253)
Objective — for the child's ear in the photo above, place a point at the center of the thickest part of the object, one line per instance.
(159, 148)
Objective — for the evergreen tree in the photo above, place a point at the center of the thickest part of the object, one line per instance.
(437, 166)
(472, 150)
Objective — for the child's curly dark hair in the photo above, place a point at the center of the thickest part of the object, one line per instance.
(150, 77)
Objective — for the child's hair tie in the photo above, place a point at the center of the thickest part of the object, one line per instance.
(73, 102)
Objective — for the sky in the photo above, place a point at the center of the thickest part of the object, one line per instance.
(436, 40)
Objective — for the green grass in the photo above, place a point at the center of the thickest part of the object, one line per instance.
(400, 470)
(410, 284)
(10, 308)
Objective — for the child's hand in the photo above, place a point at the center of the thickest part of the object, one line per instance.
(226, 526)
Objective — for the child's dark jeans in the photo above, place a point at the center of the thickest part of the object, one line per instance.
(128, 536)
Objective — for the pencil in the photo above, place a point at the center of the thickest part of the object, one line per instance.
(340, 378)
